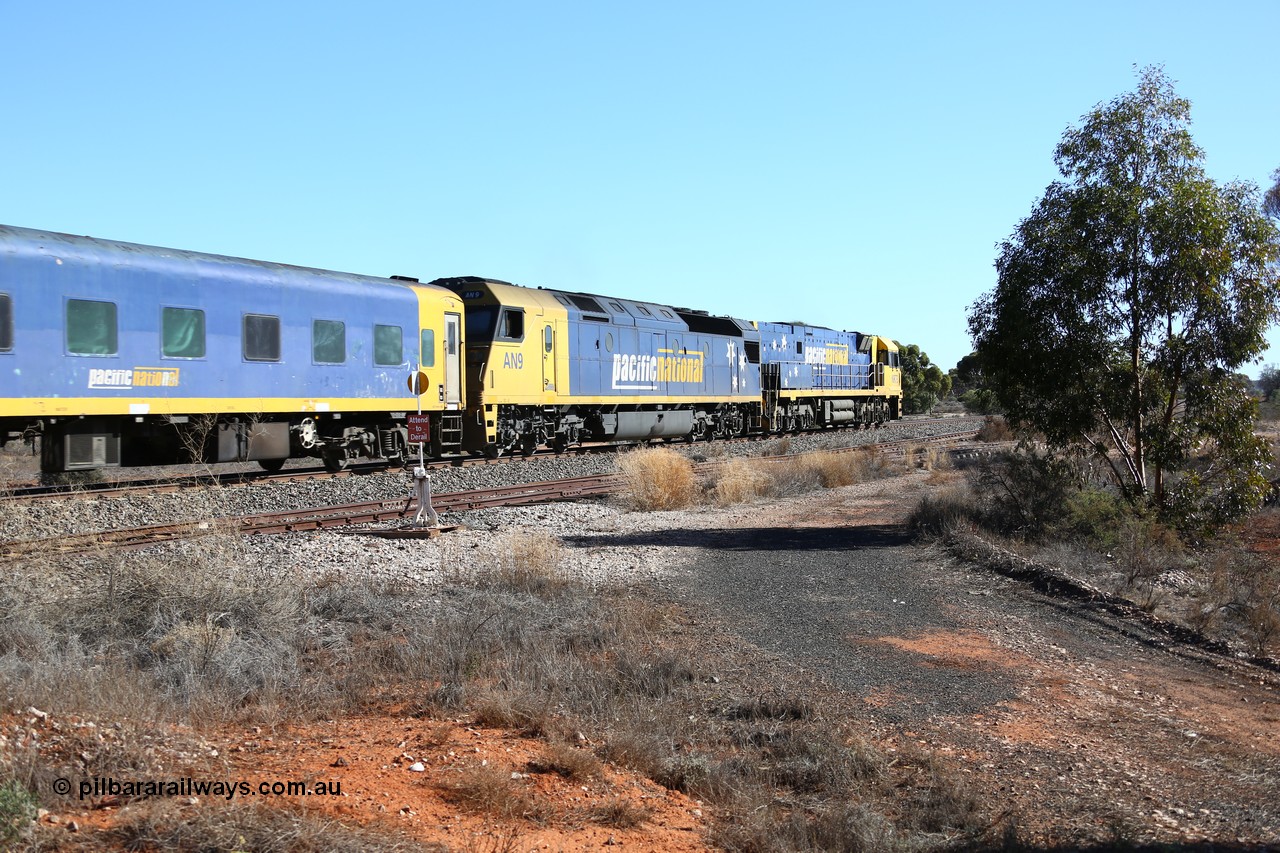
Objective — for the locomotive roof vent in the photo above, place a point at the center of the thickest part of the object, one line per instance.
(404, 278)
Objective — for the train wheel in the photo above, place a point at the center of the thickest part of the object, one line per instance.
(272, 465)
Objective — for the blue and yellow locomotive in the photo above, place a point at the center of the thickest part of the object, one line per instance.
(120, 354)
(550, 367)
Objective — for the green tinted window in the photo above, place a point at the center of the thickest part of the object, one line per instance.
(261, 337)
(388, 345)
(91, 327)
(428, 348)
(182, 333)
(328, 342)
(6, 322)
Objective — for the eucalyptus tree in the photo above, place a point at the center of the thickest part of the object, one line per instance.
(1125, 302)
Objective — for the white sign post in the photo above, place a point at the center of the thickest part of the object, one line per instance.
(420, 431)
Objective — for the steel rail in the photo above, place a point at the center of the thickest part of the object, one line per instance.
(173, 483)
(372, 512)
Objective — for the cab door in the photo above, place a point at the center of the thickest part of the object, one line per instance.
(548, 358)
(452, 361)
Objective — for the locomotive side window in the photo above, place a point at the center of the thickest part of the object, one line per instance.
(328, 342)
(91, 327)
(261, 335)
(6, 323)
(182, 333)
(428, 347)
(388, 345)
(511, 326)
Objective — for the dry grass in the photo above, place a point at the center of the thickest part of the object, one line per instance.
(739, 480)
(215, 828)
(824, 470)
(994, 428)
(927, 457)
(658, 479)
(527, 561)
(618, 813)
(487, 790)
(567, 760)
(201, 633)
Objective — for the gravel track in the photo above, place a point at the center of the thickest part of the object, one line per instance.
(77, 515)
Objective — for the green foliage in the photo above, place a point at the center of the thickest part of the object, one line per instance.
(17, 811)
(980, 401)
(1028, 492)
(1096, 515)
(1126, 300)
(966, 375)
(1269, 382)
(1271, 202)
(922, 381)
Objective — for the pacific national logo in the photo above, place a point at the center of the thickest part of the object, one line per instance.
(828, 354)
(138, 377)
(644, 372)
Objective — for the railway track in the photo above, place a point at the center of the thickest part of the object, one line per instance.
(173, 483)
(374, 512)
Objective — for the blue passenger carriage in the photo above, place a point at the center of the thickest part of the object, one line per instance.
(119, 354)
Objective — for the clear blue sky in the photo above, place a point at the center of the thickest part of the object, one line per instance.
(840, 163)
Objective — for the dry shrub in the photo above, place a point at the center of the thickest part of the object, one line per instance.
(824, 470)
(212, 827)
(658, 479)
(739, 480)
(488, 790)
(618, 813)
(568, 761)
(927, 457)
(937, 515)
(994, 428)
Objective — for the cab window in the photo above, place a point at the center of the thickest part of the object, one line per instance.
(511, 325)
(91, 327)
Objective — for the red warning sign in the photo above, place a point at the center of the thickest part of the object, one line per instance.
(419, 428)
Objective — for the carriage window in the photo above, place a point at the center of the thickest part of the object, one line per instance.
(547, 339)
(511, 326)
(6, 322)
(799, 347)
(428, 348)
(91, 327)
(182, 333)
(388, 345)
(328, 341)
(261, 337)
